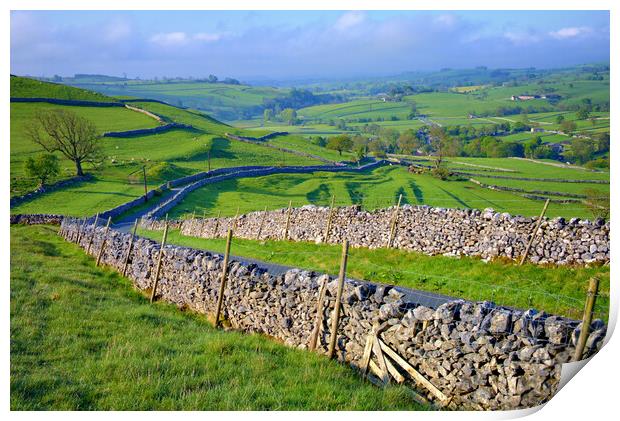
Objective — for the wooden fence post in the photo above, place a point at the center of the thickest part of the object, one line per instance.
(192, 223)
(262, 222)
(105, 236)
(81, 228)
(336, 313)
(318, 321)
(587, 318)
(220, 295)
(133, 235)
(329, 219)
(288, 220)
(217, 223)
(90, 240)
(159, 262)
(533, 235)
(394, 222)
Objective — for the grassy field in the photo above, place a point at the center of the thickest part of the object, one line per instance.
(559, 290)
(104, 119)
(171, 155)
(372, 189)
(30, 88)
(83, 339)
(299, 143)
(182, 151)
(219, 99)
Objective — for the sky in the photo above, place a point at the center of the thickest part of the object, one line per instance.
(288, 45)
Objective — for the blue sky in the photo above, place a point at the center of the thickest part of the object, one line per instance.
(251, 45)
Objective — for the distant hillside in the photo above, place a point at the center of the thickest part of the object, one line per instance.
(22, 87)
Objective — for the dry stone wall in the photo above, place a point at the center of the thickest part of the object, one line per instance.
(433, 231)
(481, 355)
(36, 219)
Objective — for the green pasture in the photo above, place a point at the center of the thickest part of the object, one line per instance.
(534, 169)
(176, 153)
(371, 189)
(22, 87)
(559, 290)
(302, 144)
(218, 99)
(82, 338)
(105, 119)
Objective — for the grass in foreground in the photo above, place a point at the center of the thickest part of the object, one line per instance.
(82, 338)
(559, 290)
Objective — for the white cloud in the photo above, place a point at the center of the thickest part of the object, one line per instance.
(207, 37)
(349, 20)
(170, 39)
(570, 32)
(521, 37)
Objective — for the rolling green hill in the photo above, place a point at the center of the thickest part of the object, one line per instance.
(22, 87)
(183, 151)
(224, 101)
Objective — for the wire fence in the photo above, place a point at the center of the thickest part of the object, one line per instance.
(543, 290)
(502, 317)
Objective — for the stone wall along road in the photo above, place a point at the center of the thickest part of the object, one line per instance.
(482, 356)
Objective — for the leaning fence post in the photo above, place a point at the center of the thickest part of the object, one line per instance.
(133, 235)
(319, 317)
(533, 235)
(587, 318)
(105, 236)
(336, 313)
(329, 219)
(394, 221)
(159, 262)
(217, 223)
(288, 220)
(220, 295)
(262, 222)
(90, 240)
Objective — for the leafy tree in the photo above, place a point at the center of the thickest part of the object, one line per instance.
(267, 115)
(473, 148)
(212, 79)
(319, 141)
(583, 114)
(559, 119)
(602, 142)
(531, 147)
(341, 142)
(43, 167)
(378, 148)
(582, 150)
(64, 131)
(413, 111)
(508, 149)
(289, 116)
(568, 126)
(408, 142)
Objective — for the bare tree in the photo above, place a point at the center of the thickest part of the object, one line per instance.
(64, 131)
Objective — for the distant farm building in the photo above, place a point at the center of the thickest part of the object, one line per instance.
(536, 130)
(527, 97)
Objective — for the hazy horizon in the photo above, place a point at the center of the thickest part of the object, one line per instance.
(300, 45)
